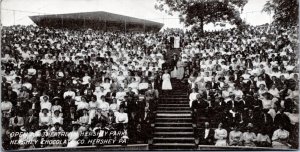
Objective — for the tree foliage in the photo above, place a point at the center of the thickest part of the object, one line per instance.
(200, 12)
(285, 11)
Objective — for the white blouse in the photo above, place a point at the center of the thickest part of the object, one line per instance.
(44, 119)
(58, 119)
(46, 105)
(104, 106)
(192, 97)
(121, 118)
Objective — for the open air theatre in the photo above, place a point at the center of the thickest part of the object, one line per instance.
(99, 20)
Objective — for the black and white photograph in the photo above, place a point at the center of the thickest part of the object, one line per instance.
(149, 75)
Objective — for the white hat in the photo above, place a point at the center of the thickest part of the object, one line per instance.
(290, 68)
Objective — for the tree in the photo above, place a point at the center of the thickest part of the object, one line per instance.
(285, 11)
(201, 12)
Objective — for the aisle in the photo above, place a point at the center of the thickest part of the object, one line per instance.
(173, 123)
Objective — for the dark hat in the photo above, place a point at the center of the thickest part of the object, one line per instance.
(55, 98)
(45, 109)
(57, 123)
(84, 109)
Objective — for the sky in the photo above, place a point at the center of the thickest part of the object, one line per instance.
(15, 12)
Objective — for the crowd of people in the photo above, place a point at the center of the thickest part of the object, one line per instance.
(247, 82)
(74, 81)
(62, 80)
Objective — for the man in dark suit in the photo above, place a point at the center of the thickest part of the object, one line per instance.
(251, 84)
(267, 78)
(70, 116)
(16, 121)
(209, 93)
(10, 95)
(100, 117)
(217, 108)
(206, 135)
(213, 84)
(265, 121)
(282, 119)
(31, 120)
(200, 106)
(158, 81)
(34, 104)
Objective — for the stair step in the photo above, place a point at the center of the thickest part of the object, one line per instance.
(173, 111)
(173, 120)
(173, 105)
(182, 96)
(175, 94)
(173, 139)
(173, 129)
(174, 102)
(181, 124)
(173, 134)
(172, 108)
(173, 98)
(173, 115)
(176, 146)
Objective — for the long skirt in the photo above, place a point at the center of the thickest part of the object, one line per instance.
(166, 85)
(221, 142)
(180, 73)
(174, 73)
(276, 144)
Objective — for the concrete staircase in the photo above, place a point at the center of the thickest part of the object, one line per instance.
(173, 125)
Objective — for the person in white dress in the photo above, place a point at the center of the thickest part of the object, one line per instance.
(248, 138)
(93, 104)
(44, 118)
(56, 118)
(73, 136)
(280, 138)
(220, 135)
(166, 84)
(180, 69)
(114, 106)
(193, 96)
(106, 85)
